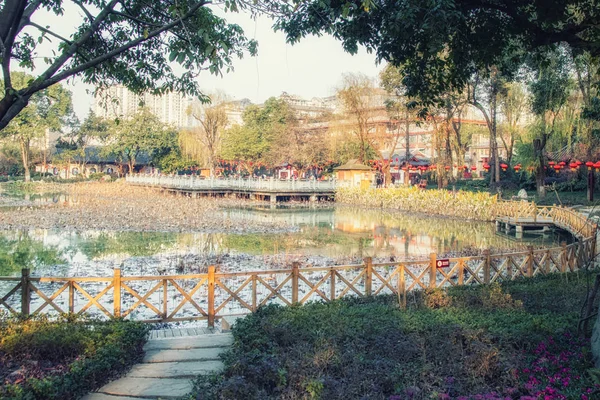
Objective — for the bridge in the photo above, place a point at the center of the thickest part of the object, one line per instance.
(254, 188)
(522, 215)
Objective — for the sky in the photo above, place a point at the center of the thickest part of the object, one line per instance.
(311, 68)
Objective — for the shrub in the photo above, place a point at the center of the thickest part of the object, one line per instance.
(471, 342)
(470, 205)
(65, 358)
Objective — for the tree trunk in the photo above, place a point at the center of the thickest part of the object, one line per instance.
(25, 158)
(540, 173)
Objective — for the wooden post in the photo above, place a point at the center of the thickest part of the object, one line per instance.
(295, 275)
(530, 261)
(461, 271)
(487, 266)
(71, 297)
(563, 257)
(369, 276)
(165, 299)
(402, 287)
(211, 296)
(332, 284)
(254, 294)
(432, 270)
(25, 292)
(117, 292)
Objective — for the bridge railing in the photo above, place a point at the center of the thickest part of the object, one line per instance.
(566, 218)
(193, 182)
(214, 294)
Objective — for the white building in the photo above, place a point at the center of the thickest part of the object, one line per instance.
(119, 102)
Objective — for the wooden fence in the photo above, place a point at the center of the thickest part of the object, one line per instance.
(214, 294)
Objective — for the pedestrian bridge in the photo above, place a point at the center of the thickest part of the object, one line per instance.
(254, 188)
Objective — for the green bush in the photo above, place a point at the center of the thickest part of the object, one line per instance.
(66, 358)
(461, 341)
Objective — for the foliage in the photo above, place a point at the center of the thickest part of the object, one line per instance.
(25, 252)
(263, 129)
(65, 358)
(478, 341)
(48, 109)
(142, 133)
(440, 44)
(479, 206)
(133, 43)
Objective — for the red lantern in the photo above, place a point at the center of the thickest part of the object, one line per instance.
(486, 166)
(474, 168)
(562, 164)
(557, 167)
(589, 164)
(517, 167)
(597, 165)
(573, 166)
(503, 166)
(447, 167)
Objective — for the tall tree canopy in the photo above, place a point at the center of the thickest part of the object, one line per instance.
(439, 44)
(263, 129)
(131, 42)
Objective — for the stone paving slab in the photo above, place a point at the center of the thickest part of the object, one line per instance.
(175, 369)
(166, 388)
(102, 396)
(159, 356)
(204, 341)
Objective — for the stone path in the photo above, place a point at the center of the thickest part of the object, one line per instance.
(168, 367)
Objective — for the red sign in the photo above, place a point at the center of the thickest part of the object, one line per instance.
(443, 263)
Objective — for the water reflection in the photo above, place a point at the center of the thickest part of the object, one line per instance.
(332, 233)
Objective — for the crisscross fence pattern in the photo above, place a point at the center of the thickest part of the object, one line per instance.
(215, 294)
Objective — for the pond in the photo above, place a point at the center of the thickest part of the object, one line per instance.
(320, 236)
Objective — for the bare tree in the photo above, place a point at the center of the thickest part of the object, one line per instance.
(212, 118)
(358, 97)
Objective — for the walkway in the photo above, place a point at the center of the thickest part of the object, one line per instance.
(168, 367)
(274, 189)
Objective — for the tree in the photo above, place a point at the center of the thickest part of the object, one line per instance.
(258, 138)
(129, 42)
(440, 44)
(358, 98)
(213, 120)
(550, 90)
(141, 133)
(47, 110)
(73, 146)
(513, 105)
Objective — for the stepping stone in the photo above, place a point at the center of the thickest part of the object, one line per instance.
(102, 396)
(160, 356)
(188, 369)
(167, 388)
(205, 341)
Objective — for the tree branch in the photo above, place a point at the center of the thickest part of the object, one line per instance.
(41, 28)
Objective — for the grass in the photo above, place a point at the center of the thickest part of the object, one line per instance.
(65, 358)
(509, 341)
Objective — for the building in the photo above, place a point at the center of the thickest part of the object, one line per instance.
(119, 102)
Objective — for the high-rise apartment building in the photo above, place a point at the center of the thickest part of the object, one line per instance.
(120, 102)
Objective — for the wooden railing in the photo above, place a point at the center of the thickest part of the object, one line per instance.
(523, 211)
(271, 184)
(215, 294)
